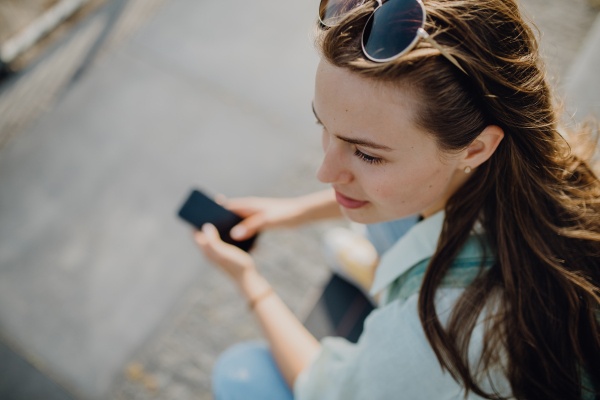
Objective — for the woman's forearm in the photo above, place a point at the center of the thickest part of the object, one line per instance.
(292, 345)
(319, 205)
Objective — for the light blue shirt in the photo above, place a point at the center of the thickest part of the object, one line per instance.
(393, 359)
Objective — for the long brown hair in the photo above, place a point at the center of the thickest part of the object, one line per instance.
(538, 201)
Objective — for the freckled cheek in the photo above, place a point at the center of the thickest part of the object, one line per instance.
(433, 186)
(437, 184)
(411, 189)
(382, 189)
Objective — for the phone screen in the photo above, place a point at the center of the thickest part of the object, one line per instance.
(199, 209)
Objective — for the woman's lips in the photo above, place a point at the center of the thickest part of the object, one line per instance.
(348, 202)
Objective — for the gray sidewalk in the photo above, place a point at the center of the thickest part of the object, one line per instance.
(583, 78)
(93, 257)
(96, 272)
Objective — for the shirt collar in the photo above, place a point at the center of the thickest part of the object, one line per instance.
(419, 243)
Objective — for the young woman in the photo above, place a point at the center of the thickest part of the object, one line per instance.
(438, 109)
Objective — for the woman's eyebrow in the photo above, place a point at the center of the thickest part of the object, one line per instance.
(360, 142)
(365, 143)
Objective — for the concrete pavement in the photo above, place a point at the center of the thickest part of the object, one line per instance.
(583, 78)
(92, 255)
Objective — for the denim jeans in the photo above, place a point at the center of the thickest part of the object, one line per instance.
(247, 370)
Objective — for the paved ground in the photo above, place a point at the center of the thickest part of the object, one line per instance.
(179, 359)
(563, 25)
(19, 381)
(16, 14)
(93, 258)
(95, 272)
(582, 93)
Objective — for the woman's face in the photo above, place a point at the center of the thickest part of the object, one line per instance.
(380, 164)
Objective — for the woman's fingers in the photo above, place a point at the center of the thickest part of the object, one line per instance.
(208, 239)
(242, 206)
(248, 227)
(233, 260)
(214, 243)
(212, 234)
(200, 238)
(221, 199)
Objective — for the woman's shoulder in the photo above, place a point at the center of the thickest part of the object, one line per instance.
(392, 357)
(393, 354)
(474, 258)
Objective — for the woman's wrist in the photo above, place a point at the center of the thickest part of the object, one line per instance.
(253, 286)
(253, 302)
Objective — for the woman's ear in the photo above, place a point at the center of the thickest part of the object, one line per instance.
(482, 148)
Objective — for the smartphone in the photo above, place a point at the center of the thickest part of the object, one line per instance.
(199, 209)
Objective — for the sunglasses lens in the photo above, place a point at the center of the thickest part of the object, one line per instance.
(392, 29)
(331, 11)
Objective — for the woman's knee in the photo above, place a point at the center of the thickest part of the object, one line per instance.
(247, 371)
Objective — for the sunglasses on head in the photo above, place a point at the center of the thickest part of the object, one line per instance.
(393, 29)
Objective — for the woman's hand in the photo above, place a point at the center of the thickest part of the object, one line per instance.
(261, 213)
(236, 262)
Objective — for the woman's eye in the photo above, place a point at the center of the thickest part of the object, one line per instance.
(367, 158)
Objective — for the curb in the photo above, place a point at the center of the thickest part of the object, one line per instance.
(39, 28)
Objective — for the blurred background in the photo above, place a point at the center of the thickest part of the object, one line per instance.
(110, 112)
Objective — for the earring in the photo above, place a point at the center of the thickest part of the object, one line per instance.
(467, 170)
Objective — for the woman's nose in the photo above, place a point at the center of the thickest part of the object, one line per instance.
(333, 168)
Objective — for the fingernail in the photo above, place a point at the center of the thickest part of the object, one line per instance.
(238, 232)
(208, 228)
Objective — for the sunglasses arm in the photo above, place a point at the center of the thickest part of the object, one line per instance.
(421, 32)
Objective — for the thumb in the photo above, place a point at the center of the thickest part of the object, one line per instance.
(248, 227)
(211, 233)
